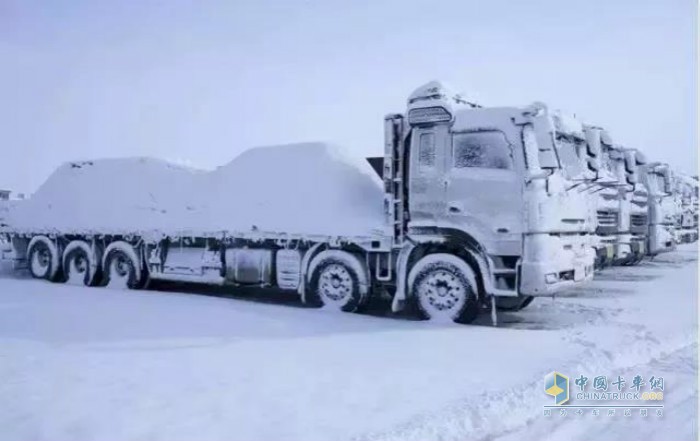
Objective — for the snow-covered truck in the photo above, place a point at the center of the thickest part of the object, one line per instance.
(609, 181)
(657, 179)
(687, 188)
(638, 202)
(611, 199)
(580, 160)
(471, 211)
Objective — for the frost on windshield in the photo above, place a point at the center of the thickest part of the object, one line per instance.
(487, 149)
(569, 155)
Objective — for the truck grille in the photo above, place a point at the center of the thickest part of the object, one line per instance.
(638, 220)
(607, 222)
(638, 224)
(607, 218)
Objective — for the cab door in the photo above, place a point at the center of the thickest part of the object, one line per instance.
(483, 193)
(428, 159)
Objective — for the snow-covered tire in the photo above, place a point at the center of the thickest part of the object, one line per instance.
(121, 267)
(338, 282)
(42, 258)
(444, 287)
(513, 303)
(80, 264)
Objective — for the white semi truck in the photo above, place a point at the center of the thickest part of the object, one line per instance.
(638, 202)
(476, 215)
(611, 192)
(657, 178)
(687, 189)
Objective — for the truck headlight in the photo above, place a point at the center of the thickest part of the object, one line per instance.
(551, 278)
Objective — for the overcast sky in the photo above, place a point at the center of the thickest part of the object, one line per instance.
(199, 82)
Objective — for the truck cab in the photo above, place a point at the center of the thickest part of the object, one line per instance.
(489, 181)
(657, 179)
(638, 204)
(690, 212)
(606, 190)
(687, 190)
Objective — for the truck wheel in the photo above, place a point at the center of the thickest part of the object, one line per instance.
(79, 264)
(121, 270)
(335, 282)
(40, 261)
(43, 259)
(513, 303)
(444, 289)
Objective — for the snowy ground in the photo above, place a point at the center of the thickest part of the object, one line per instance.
(99, 364)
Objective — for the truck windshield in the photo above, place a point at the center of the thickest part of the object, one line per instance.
(656, 182)
(569, 149)
(607, 162)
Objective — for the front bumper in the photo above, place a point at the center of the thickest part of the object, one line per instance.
(638, 245)
(605, 254)
(552, 263)
(661, 239)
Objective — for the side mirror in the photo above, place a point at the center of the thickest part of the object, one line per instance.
(640, 158)
(545, 150)
(592, 135)
(548, 159)
(667, 183)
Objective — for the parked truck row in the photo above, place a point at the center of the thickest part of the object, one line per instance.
(479, 208)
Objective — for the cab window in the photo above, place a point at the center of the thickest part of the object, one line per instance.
(426, 151)
(483, 149)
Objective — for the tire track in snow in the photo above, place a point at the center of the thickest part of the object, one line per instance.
(635, 342)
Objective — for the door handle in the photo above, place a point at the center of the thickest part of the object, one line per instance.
(454, 209)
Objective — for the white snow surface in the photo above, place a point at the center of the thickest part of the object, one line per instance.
(315, 190)
(89, 363)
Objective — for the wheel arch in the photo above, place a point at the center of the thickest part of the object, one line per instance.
(126, 248)
(448, 241)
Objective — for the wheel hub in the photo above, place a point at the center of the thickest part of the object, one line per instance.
(122, 266)
(80, 265)
(335, 283)
(442, 290)
(44, 258)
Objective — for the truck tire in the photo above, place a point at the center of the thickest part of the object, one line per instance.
(42, 257)
(336, 282)
(80, 265)
(120, 270)
(443, 287)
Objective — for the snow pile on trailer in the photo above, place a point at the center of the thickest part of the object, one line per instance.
(306, 189)
(309, 188)
(112, 196)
